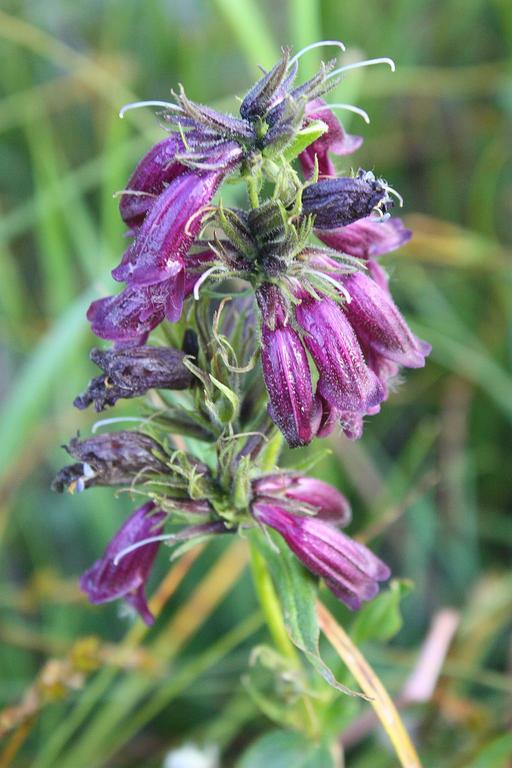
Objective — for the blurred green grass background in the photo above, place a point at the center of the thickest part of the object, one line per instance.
(429, 482)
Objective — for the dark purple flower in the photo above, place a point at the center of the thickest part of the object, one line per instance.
(112, 458)
(378, 323)
(334, 141)
(156, 169)
(131, 371)
(345, 380)
(133, 313)
(348, 568)
(285, 370)
(367, 237)
(105, 581)
(326, 502)
(169, 229)
(337, 202)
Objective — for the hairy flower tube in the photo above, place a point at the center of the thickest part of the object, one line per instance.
(268, 315)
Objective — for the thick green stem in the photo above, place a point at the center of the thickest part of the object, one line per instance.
(270, 605)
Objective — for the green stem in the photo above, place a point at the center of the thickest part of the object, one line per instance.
(252, 190)
(270, 606)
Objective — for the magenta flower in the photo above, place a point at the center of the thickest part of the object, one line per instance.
(345, 380)
(348, 568)
(366, 238)
(105, 581)
(286, 371)
(326, 502)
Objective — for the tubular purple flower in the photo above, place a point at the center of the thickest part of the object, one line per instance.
(285, 370)
(337, 202)
(345, 380)
(104, 581)
(328, 503)
(334, 141)
(348, 568)
(378, 323)
(367, 237)
(168, 230)
(156, 169)
(131, 314)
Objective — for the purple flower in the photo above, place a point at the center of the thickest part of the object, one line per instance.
(345, 380)
(156, 169)
(133, 313)
(378, 323)
(334, 140)
(285, 370)
(104, 581)
(348, 568)
(169, 229)
(326, 502)
(337, 202)
(367, 237)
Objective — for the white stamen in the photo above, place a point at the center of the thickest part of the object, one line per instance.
(320, 44)
(205, 276)
(358, 64)
(348, 107)
(134, 192)
(142, 543)
(398, 196)
(341, 288)
(114, 420)
(139, 104)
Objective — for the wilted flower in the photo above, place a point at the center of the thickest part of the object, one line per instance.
(131, 371)
(108, 579)
(112, 458)
(348, 568)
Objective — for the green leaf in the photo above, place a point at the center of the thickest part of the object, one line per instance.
(228, 413)
(304, 138)
(381, 619)
(297, 590)
(496, 754)
(282, 749)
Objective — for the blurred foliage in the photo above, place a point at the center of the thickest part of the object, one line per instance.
(430, 481)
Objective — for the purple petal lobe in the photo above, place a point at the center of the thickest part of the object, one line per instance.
(345, 380)
(130, 314)
(367, 237)
(328, 503)
(104, 581)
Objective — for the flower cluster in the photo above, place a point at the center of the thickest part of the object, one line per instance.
(302, 291)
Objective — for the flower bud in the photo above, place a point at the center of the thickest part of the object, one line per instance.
(326, 502)
(337, 202)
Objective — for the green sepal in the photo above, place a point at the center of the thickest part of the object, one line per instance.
(304, 138)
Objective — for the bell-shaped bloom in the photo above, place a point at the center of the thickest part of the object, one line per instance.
(156, 169)
(129, 316)
(169, 229)
(348, 568)
(366, 238)
(105, 580)
(334, 141)
(131, 371)
(337, 202)
(285, 370)
(377, 321)
(326, 502)
(345, 380)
